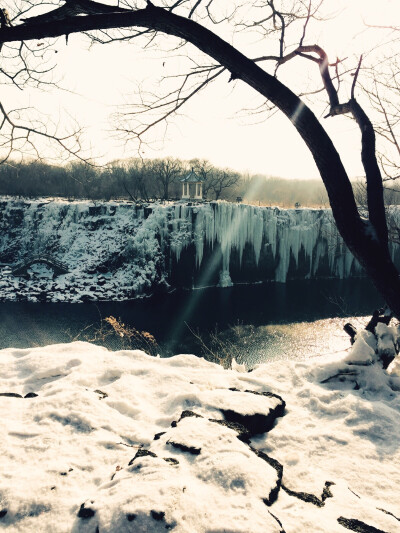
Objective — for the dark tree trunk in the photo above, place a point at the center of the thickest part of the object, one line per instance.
(375, 199)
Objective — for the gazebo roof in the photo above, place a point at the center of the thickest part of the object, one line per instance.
(192, 177)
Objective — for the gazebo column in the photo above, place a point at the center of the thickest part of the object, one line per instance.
(192, 187)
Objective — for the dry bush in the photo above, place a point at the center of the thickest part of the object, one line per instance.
(216, 348)
(114, 334)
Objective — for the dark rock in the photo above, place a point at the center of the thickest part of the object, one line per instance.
(158, 435)
(86, 512)
(10, 394)
(268, 394)
(171, 460)
(95, 210)
(31, 395)
(158, 515)
(350, 330)
(259, 422)
(311, 498)
(305, 496)
(389, 513)
(86, 298)
(255, 424)
(101, 394)
(142, 453)
(131, 517)
(187, 414)
(279, 522)
(358, 526)
(243, 433)
(3, 513)
(189, 449)
(386, 359)
(326, 493)
(147, 212)
(273, 495)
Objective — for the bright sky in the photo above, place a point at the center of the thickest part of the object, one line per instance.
(214, 126)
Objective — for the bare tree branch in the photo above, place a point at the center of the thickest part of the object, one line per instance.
(18, 137)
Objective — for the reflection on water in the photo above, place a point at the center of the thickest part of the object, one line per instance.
(296, 319)
(299, 340)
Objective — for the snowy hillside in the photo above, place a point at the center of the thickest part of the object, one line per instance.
(95, 441)
(120, 250)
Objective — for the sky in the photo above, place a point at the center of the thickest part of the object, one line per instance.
(214, 125)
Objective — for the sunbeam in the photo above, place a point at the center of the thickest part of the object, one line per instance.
(297, 112)
(219, 259)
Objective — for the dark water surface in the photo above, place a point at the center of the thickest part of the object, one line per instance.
(271, 320)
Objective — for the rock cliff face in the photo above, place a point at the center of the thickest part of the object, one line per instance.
(69, 251)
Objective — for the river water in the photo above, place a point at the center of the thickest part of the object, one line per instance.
(255, 322)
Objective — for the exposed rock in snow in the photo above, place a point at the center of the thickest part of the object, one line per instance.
(257, 414)
(387, 341)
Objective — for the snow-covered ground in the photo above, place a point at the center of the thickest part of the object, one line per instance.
(99, 441)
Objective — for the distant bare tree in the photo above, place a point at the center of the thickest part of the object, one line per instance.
(166, 172)
(205, 170)
(222, 180)
(87, 177)
(215, 180)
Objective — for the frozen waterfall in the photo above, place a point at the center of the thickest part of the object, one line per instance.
(119, 250)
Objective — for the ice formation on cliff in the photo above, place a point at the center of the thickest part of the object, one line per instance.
(136, 248)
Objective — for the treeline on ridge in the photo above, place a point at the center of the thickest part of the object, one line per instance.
(133, 179)
(143, 180)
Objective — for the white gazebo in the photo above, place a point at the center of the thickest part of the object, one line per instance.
(192, 183)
